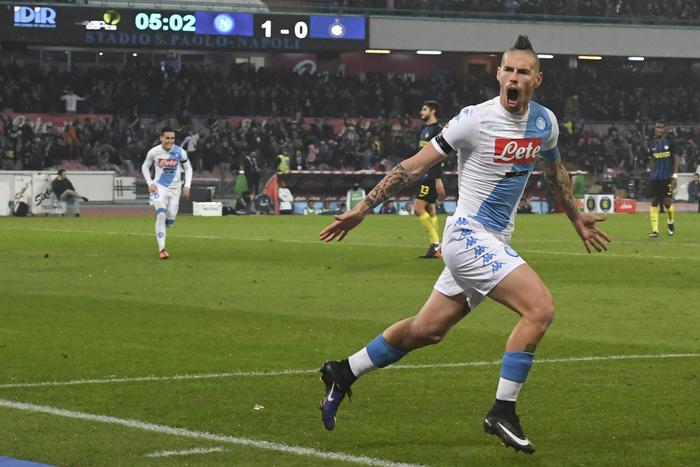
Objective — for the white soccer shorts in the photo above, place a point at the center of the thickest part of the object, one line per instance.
(476, 260)
(167, 199)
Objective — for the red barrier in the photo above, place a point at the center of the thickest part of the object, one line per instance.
(625, 205)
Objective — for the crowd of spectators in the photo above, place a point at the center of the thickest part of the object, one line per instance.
(632, 92)
(671, 9)
(378, 113)
(313, 144)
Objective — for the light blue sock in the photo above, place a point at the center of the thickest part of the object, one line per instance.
(381, 353)
(516, 365)
(514, 370)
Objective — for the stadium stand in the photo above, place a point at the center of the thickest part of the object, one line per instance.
(312, 144)
(633, 91)
(339, 120)
(594, 10)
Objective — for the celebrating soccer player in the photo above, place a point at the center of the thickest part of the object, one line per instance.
(165, 187)
(497, 144)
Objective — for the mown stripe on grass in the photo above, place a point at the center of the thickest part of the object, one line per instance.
(233, 374)
(215, 437)
(640, 256)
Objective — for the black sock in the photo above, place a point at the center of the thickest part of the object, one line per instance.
(503, 407)
(346, 376)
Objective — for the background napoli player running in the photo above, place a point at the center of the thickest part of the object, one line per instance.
(430, 186)
(165, 186)
(497, 143)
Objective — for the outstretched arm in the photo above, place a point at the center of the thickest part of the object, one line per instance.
(558, 180)
(408, 171)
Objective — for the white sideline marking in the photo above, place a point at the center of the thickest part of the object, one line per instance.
(78, 382)
(184, 452)
(372, 244)
(219, 438)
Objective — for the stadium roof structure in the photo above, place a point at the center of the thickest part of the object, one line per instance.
(228, 5)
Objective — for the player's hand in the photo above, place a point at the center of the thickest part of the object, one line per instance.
(342, 225)
(186, 192)
(591, 235)
(152, 188)
(440, 191)
(674, 184)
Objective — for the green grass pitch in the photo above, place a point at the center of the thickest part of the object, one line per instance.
(87, 299)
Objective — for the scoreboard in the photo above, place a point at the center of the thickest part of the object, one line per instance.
(165, 29)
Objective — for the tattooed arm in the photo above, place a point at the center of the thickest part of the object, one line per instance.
(560, 183)
(405, 173)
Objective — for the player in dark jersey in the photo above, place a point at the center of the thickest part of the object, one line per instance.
(430, 186)
(664, 174)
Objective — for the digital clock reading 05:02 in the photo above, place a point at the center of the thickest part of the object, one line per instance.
(160, 22)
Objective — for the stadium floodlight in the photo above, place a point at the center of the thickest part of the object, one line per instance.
(100, 53)
(377, 51)
(545, 56)
(590, 57)
(635, 59)
(429, 52)
(134, 54)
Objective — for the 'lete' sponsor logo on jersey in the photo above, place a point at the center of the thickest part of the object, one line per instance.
(167, 163)
(516, 151)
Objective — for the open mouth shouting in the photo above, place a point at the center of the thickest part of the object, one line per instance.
(513, 97)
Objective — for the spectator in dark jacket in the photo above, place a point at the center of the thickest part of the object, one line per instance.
(65, 191)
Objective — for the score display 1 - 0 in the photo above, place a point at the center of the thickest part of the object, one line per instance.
(189, 30)
(242, 24)
(301, 29)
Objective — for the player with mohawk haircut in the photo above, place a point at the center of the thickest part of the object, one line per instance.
(497, 143)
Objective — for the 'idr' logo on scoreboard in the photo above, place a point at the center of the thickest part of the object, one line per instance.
(167, 163)
(34, 17)
(516, 151)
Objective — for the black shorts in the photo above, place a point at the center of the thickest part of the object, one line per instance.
(660, 189)
(427, 192)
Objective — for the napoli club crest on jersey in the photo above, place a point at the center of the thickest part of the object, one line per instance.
(516, 151)
(540, 123)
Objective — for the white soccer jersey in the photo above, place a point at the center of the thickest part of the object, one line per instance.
(167, 167)
(496, 152)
